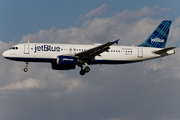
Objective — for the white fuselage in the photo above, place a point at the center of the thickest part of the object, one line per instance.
(47, 52)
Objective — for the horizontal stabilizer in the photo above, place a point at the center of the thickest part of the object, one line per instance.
(163, 50)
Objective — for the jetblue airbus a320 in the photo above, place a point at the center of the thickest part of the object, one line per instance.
(67, 56)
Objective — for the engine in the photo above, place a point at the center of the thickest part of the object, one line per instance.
(67, 60)
(66, 63)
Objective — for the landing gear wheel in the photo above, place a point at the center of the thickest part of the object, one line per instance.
(25, 69)
(86, 69)
(82, 72)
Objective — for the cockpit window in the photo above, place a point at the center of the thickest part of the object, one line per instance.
(14, 48)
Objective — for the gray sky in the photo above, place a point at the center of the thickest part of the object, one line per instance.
(140, 91)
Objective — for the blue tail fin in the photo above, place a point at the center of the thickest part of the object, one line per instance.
(159, 37)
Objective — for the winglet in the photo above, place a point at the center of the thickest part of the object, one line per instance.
(116, 41)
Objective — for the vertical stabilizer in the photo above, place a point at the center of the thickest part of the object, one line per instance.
(159, 37)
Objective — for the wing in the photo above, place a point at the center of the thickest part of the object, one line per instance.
(96, 51)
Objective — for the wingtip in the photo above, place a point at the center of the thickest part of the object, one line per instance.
(116, 41)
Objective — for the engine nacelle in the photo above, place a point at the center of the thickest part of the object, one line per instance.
(67, 60)
(62, 67)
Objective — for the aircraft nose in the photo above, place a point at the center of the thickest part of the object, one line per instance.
(5, 54)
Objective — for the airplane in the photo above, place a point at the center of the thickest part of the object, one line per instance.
(67, 56)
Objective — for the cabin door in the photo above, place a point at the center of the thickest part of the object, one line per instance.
(140, 52)
(26, 48)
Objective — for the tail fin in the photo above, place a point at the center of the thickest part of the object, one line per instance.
(159, 37)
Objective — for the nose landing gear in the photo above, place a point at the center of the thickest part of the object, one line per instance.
(26, 69)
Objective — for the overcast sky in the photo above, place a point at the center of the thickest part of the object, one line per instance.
(147, 90)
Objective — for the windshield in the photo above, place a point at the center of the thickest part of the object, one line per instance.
(13, 48)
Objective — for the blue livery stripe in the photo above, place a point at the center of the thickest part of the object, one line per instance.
(54, 60)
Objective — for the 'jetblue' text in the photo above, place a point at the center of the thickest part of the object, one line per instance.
(47, 48)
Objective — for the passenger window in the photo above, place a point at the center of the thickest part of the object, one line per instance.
(16, 48)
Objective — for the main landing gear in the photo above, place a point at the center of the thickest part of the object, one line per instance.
(85, 70)
(26, 69)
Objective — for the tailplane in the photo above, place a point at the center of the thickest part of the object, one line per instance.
(159, 37)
